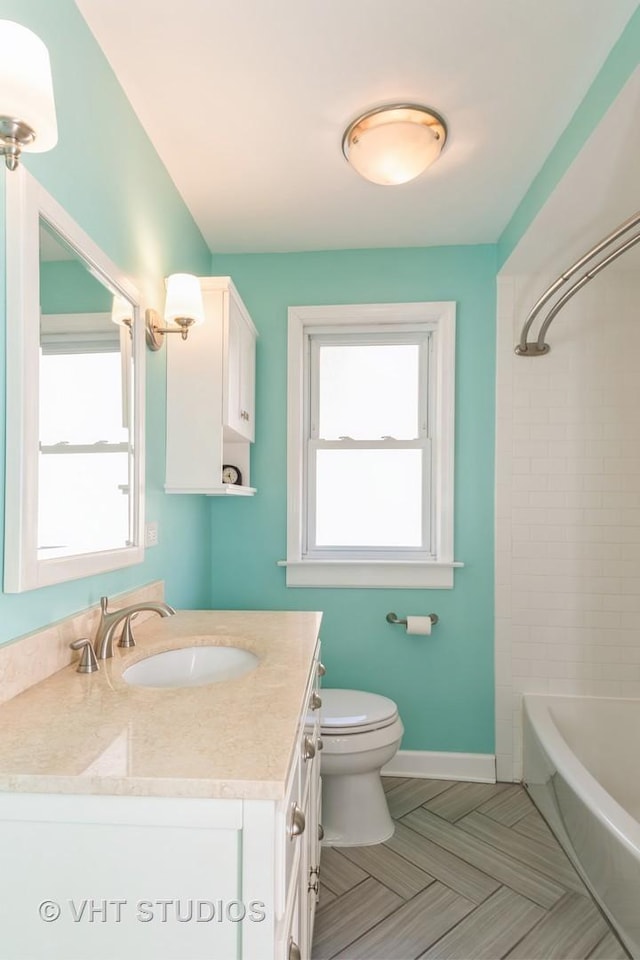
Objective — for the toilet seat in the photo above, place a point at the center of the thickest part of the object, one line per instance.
(347, 712)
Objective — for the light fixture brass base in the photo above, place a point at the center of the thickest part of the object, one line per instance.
(155, 333)
(14, 135)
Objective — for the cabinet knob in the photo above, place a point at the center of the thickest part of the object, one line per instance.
(321, 669)
(294, 950)
(314, 887)
(244, 414)
(319, 744)
(308, 750)
(316, 702)
(297, 822)
(320, 832)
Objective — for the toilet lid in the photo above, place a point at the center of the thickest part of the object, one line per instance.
(355, 711)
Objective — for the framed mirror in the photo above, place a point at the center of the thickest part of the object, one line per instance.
(75, 393)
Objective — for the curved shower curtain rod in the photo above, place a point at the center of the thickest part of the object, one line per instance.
(538, 348)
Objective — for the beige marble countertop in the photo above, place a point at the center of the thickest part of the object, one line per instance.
(95, 734)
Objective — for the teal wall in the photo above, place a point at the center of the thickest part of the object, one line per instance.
(105, 172)
(616, 70)
(66, 286)
(444, 684)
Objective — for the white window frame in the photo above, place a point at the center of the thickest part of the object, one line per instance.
(418, 570)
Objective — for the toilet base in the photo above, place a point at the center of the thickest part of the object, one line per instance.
(354, 810)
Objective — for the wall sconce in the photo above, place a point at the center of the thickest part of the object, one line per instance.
(183, 306)
(394, 144)
(27, 108)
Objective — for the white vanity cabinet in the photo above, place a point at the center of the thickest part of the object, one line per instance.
(211, 396)
(166, 877)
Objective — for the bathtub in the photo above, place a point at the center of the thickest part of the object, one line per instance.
(582, 770)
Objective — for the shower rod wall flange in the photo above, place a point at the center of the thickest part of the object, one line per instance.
(538, 348)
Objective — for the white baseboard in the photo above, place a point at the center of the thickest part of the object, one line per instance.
(429, 765)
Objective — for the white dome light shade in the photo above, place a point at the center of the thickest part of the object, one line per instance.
(26, 88)
(184, 299)
(394, 144)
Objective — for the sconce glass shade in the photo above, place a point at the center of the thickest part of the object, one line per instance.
(184, 299)
(121, 311)
(394, 144)
(27, 108)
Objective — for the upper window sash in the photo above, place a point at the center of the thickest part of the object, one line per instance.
(316, 338)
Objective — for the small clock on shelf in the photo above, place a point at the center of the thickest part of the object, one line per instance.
(231, 474)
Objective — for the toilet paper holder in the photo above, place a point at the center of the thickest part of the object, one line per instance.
(392, 618)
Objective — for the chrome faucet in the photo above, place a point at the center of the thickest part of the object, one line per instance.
(109, 621)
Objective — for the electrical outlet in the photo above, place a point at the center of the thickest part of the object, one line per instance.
(151, 534)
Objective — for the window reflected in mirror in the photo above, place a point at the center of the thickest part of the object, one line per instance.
(85, 462)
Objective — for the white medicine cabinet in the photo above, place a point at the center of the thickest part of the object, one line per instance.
(211, 398)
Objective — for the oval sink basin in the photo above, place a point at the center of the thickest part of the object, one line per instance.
(191, 667)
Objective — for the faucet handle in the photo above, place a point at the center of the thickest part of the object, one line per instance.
(88, 662)
(127, 638)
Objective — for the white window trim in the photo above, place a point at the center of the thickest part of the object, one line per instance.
(439, 319)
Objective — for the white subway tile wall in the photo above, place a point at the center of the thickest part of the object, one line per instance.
(567, 503)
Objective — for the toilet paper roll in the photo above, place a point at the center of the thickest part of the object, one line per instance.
(419, 625)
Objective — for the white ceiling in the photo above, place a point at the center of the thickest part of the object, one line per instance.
(246, 102)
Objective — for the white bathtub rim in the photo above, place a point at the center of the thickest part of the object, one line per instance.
(601, 804)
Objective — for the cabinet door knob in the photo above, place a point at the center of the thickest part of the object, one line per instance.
(298, 821)
(321, 669)
(309, 750)
(315, 702)
(320, 832)
(294, 950)
(314, 887)
(319, 744)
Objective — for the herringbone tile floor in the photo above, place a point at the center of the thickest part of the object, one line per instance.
(471, 873)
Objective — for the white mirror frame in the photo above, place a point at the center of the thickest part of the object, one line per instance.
(26, 202)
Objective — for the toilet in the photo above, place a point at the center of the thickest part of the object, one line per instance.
(360, 733)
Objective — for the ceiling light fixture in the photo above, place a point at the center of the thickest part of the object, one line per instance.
(394, 144)
(183, 307)
(27, 109)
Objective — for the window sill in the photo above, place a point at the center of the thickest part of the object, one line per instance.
(370, 574)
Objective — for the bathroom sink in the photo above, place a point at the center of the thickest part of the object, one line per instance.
(191, 667)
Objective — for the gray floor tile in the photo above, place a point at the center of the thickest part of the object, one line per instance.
(498, 889)
(347, 917)
(534, 826)
(442, 864)
(509, 806)
(497, 864)
(551, 861)
(326, 895)
(408, 931)
(609, 948)
(490, 931)
(388, 783)
(413, 793)
(401, 876)
(338, 873)
(570, 931)
(462, 798)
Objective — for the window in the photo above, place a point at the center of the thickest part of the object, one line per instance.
(370, 445)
